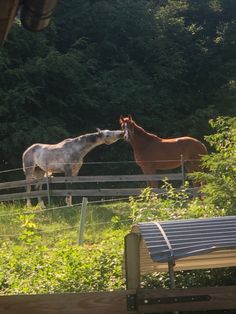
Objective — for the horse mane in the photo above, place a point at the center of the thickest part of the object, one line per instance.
(141, 130)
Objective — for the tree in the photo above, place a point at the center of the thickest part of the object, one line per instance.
(171, 64)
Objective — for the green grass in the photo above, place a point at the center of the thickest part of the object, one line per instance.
(40, 252)
(44, 255)
(14, 219)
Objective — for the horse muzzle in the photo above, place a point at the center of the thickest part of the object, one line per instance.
(121, 134)
(126, 135)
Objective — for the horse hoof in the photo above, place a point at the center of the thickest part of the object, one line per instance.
(42, 205)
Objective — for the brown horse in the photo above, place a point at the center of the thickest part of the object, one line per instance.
(153, 153)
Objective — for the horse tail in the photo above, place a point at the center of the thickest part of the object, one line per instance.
(205, 151)
(28, 160)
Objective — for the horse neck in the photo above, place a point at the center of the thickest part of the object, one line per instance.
(86, 144)
(141, 137)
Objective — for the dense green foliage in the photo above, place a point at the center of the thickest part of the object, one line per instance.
(63, 268)
(169, 63)
(219, 184)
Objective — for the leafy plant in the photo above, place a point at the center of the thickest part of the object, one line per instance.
(219, 184)
(29, 230)
(173, 205)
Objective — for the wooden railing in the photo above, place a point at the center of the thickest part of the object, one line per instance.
(68, 189)
(123, 302)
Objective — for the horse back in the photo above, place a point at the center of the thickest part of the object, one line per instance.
(173, 148)
(192, 146)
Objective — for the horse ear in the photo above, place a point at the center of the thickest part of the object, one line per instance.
(99, 130)
(121, 119)
(130, 117)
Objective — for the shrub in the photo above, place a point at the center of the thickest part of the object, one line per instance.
(219, 184)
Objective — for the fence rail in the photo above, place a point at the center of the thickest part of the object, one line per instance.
(21, 183)
(117, 178)
(123, 302)
(51, 191)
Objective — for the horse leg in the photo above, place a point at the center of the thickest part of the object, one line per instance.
(29, 174)
(68, 173)
(38, 188)
(195, 166)
(28, 199)
(147, 170)
(29, 170)
(40, 174)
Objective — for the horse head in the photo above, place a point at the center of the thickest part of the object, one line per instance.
(127, 125)
(109, 137)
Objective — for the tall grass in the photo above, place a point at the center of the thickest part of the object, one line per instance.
(40, 253)
(60, 221)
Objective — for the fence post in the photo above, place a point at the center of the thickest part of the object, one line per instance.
(132, 261)
(182, 170)
(82, 220)
(172, 279)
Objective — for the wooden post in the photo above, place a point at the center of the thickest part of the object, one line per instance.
(172, 275)
(132, 261)
(182, 169)
(82, 220)
(172, 278)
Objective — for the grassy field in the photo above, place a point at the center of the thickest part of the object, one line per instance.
(17, 220)
(40, 252)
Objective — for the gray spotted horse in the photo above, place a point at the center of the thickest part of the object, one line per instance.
(41, 160)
